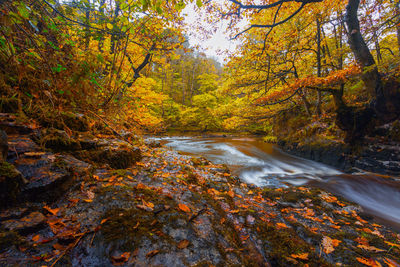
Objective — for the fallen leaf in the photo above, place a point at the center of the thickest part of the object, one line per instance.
(226, 174)
(390, 262)
(329, 244)
(104, 220)
(301, 256)
(52, 211)
(369, 262)
(119, 260)
(183, 207)
(281, 225)
(36, 238)
(34, 154)
(250, 192)
(392, 244)
(148, 204)
(59, 247)
(370, 248)
(88, 200)
(152, 253)
(183, 244)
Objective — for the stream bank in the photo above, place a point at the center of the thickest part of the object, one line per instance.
(76, 205)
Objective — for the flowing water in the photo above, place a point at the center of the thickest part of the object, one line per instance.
(263, 164)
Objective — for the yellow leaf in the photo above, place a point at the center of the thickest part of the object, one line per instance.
(301, 256)
(329, 244)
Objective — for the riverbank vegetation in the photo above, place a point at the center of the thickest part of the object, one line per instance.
(302, 70)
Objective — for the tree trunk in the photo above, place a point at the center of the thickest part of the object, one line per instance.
(319, 67)
(385, 104)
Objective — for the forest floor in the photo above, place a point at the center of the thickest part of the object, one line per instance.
(98, 200)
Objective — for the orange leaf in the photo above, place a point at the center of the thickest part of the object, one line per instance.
(152, 253)
(370, 248)
(183, 207)
(281, 225)
(36, 238)
(301, 256)
(52, 211)
(183, 244)
(369, 262)
(226, 174)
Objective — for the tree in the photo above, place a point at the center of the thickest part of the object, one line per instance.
(355, 121)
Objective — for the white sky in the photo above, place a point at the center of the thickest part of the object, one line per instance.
(217, 43)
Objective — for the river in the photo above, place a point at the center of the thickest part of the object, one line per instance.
(263, 164)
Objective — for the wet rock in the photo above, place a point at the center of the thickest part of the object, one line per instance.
(49, 176)
(9, 124)
(11, 182)
(26, 225)
(19, 145)
(3, 145)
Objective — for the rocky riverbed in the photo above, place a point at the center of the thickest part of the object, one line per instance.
(96, 200)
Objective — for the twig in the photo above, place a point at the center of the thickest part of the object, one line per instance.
(70, 247)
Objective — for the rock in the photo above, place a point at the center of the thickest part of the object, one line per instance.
(9, 124)
(26, 225)
(19, 145)
(59, 140)
(11, 182)
(49, 176)
(153, 144)
(3, 145)
(75, 121)
(10, 105)
(117, 154)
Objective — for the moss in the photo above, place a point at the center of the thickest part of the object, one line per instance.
(122, 158)
(10, 105)
(129, 227)
(281, 243)
(293, 196)
(119, 172)
(76, 122)
(10, 183)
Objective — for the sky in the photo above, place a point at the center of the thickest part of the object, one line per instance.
(214, 45)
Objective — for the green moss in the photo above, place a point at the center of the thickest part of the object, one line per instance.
(8, 170)
(10, 183)
(281, 243)
(75, 122)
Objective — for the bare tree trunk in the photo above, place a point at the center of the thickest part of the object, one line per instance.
(319, 67)
(114, 37)
(87, 29)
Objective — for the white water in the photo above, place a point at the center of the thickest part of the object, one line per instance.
(264, 164)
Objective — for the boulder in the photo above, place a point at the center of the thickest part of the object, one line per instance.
(11, 182)
(26, 225)
(58, 140)
(3, 145)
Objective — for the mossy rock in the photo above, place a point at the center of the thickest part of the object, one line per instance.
(59, 141)
(11, 181)
(119, 158)
(10, 105)
(77, 122)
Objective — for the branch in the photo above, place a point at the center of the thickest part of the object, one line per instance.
(273, 24)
